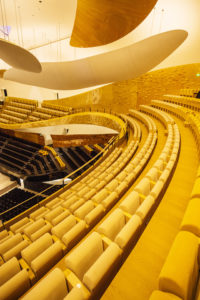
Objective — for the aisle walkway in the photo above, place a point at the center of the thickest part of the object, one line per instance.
(137, 278)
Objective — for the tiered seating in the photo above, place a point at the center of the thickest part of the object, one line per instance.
(34, 228)
(42, 113)
(189, 92)
(62, 108)
(179, 277)
(14, 282)
(190, 117)
(188, 102)
(97, 258)
(16, 110)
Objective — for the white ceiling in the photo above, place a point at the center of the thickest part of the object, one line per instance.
(34, 23)
(38, 22)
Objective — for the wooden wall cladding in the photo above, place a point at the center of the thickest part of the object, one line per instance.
(79, 140)
(99, 22)
(27, 136)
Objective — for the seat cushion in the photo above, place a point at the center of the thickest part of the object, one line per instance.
(131, 203)
(53, 286)
(64, 226)
(159, 295)
(8, 270)
(191, 219)
(47, 259)
(36, 248)
(128, 232)
(15, 287)
(81, 258)
(102, 267)
(112, 224)
(183, 255)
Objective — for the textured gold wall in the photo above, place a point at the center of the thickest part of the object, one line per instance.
(127, 94)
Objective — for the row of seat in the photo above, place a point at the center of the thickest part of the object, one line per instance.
(22, 100)
(190, 117)
(35, 229)
(179, 277)
(189, 92)
(62, 108)
(60, 229)
(51, 112)
(97, 258)
(17, 110)
(189, 102)
(30, 229)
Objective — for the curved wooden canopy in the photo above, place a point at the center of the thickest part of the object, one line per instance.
(121, 64)
(99, 22)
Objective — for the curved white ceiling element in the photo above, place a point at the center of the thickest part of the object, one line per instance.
(19, 57)
(121, 64)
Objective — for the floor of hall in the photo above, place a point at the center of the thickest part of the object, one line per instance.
(138, 276)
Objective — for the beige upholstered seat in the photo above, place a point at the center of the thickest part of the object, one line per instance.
(145, 207)
(83, 210)
(109, 201)
(76, 205)
(14, 282)
(53, 287)
(159, 295)
(152, 174)
(42, 254)
(50, 216)
(20, 225)
(67, 203)
(130, 203)
(143, 187)
(157, 188)
(95, 215)
(180, 272)
(54, 203)
(73, 235)
(39, 213)
(12, 247)
(4, 235)
(64, 226)
(91, 263)
(37, 229)
(129, 232)
(100, 196)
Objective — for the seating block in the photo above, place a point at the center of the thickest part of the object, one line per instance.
(183, 255)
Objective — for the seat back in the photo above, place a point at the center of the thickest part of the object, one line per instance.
(60, 229)
(81, 258)
(112, 224)
(16, 286)
(34, 227)
(180, 272)
(19, 224)
(53, 286)
(36, 248)
(130, 203)
(8, 270)
(53, 213)
(8, 244)
(143, 187)
(82, 211)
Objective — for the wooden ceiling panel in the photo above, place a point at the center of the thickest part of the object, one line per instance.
(99, 22)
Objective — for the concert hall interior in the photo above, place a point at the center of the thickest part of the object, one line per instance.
(99, 149)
